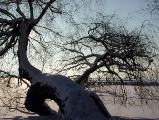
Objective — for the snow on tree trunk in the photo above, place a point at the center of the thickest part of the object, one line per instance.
(74, 102)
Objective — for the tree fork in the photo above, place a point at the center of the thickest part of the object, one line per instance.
(74, 102)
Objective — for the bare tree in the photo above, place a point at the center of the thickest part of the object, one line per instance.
(70, 97)
(109, 50)
(112, 49)
(95, 45)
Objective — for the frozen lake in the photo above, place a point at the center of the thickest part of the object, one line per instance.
(135, 106)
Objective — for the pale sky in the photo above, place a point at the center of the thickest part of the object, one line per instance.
(128, 9)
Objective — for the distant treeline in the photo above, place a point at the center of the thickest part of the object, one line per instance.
(115, 81)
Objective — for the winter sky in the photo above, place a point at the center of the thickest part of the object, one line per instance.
(129, 9)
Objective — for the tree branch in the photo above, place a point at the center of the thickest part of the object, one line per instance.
(31, 10)
(44, 10)
(5, 49)
(86, 74)
(7, 13)
(19, 10)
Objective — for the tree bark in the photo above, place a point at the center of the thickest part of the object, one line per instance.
(74, 102)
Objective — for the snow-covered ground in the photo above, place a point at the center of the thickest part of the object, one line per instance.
(132, 110)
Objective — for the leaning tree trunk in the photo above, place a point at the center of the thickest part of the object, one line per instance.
(74, 102)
